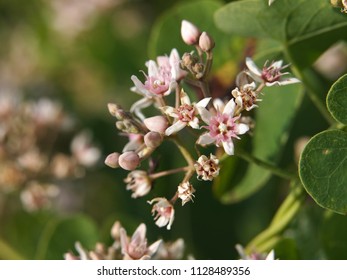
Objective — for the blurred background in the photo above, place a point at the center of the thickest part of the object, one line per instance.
(61, 62)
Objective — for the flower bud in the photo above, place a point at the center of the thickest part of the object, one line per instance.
(115, 230)
(189, 32)
(116, 111)
(129, 160)
(153, 139)
(206, 42)
(112, 160)
(157, 124)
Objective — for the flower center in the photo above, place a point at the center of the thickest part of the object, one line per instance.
(222, 128)
(186, 113)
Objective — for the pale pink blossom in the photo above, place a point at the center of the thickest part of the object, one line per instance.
(185, 114)
(222, 127)
(161, 79)
(139, 183)
(164, 210)
(185, 192)
(207, 168)
(136, 248)
(270, 75)
(245, 96)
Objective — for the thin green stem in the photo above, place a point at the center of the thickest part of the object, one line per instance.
(268, 166)
(8, 253)
(188, 157)
(266, 240)
(312, 88)
(168, 172)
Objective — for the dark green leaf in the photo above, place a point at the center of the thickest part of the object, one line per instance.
(337, 100)
(241, 18)
(305, 28)
(334, 232)
(323, 169)
(60, 236)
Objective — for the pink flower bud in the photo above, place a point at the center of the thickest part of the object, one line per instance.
(206, 42)
(157, 124)
(153, 139)
(189, 32)
(112, 160)
(129, 160)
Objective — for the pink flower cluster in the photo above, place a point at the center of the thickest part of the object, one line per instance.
(213, 121)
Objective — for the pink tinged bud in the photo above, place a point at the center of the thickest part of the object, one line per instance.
(112, 160)
(189, 32)
(206, 42)
(157, 124)
(129, 160)
(112, 108)
(153, 139)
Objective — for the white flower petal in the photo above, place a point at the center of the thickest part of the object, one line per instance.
(184, 98)
(289, 81)
(253, 67)
(238, 101)
(242, 128)
(194, 123)
(271, 1)
(168, 110)
(229, 147)
(205, 114)
(177, 126)
(140, 87)
(153, 70)
(205, 139)
(139, 235)
(203, 102)
(139, 105)
(229, 108)
(277, 64)
(154, 247)
(270, 256)
(218, 104)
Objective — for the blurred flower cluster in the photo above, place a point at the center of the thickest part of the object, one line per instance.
(212, 121)
(32, 156)
(133, 247)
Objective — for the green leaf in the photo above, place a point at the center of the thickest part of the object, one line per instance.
(241, 18)
(334, 232)
(166, 32)
(273, 122)
(323, 169)
(337, 100)
(305, 28)
(60, 236)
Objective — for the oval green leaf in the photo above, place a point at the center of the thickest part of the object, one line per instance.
(337, 100)
(323, 169)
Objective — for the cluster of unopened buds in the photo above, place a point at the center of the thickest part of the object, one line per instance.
(220, 122)
(133, 247)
